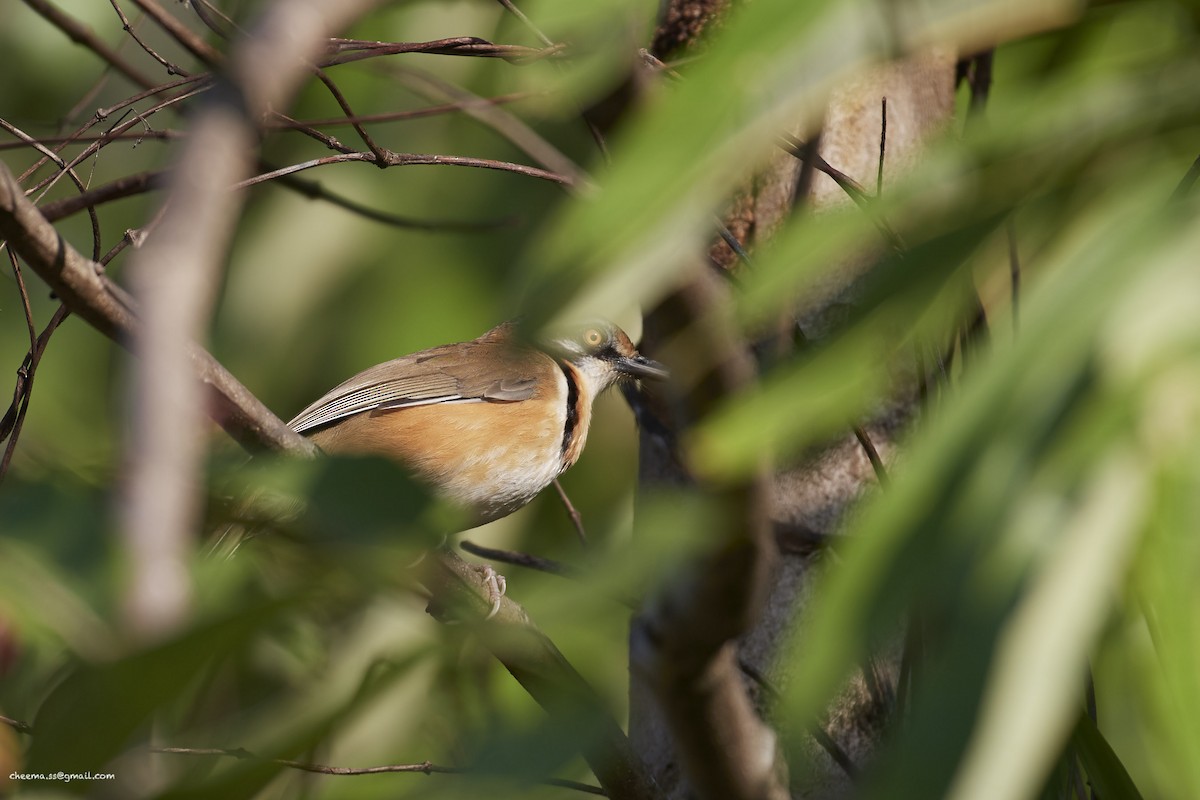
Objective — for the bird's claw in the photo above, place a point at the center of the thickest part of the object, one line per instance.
(496, 586)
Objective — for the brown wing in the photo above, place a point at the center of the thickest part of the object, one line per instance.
(487, 369)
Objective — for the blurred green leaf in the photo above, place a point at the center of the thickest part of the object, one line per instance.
(1166, 590)
(602, 37)
(1028, 706)
(769, 71)
(1105, 772)
(980, 470)
(373, 499)
(233, 778)
(92, 714)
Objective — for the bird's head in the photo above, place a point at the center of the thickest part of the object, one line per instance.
(604, 355)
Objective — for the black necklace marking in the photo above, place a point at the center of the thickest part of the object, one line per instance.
(572, 405)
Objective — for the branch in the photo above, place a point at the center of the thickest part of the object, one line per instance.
(64, 169)
(102, 114)
(501, 121)
(344, 51)
(15, 417)
(87, 292)
(126, 26)
(425, 767)
(284, 124)
(416, 113)
(181, 33)
(527, 560)
(543, 671)
(315, 191)
(16, 724)
(868, 446)
(407, 160)
(10, 425)
(126, 186)
(797, 148)
(131, 185)
(572, 512)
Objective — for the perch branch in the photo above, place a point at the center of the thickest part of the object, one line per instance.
(84, 288)
(533, 660)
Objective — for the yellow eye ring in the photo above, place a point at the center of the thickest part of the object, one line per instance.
(593, 338)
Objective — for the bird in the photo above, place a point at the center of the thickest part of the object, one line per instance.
(489, 423)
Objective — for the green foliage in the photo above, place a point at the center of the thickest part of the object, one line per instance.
(1040, 526)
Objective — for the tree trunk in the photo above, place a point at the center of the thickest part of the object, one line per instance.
(806, 501)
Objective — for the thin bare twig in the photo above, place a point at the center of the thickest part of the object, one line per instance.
(181, 33)
(978, 73)
(656, 64)
(424, 767)
(501, 121)
(732, 242)
(882, 149)
(526, 560)
(332, 142)
(340, 99)
(134, 237)
(131, 185)
(139, 119)
(519, 14)
(346, 51)
(126, 186)
(593, 129)
(283, 122)
(801, 339)
(15, 418)
(204, 80)
(868, 447)
(16, 724)
(316, 191)
(410, 159)
(851, 187)
(572, 512)
(817, 729)
(172, 69)
(462, 105)
(86, 291)
(64, 169)
(11, 423)
(83, 35)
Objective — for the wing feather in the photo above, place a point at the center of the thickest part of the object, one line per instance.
(485, 370)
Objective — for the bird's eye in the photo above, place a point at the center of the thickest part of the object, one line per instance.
(594, 337)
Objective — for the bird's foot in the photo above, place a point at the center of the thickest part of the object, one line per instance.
(495, 584)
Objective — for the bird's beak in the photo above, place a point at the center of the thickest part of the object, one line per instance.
(641, 367)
